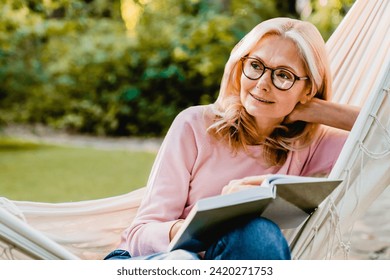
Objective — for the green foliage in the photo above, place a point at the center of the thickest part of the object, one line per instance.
(327, 15)
(73, 64)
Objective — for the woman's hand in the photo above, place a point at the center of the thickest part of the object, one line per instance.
(244, 183)
(175, 228)
(300, 113)
(320, 111)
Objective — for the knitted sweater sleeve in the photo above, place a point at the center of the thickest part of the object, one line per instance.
(167, 190)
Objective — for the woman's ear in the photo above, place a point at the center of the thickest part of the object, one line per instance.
(305, 98)
(308, 93)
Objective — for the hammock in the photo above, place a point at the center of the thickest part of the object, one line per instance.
(360, 63)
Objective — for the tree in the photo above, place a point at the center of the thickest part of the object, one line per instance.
(125, 67)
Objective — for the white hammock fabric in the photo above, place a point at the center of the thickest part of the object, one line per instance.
(360, 61)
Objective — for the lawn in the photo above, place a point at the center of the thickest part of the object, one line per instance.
(39, 172)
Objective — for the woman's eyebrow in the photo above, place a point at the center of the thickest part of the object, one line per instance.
(279, 66)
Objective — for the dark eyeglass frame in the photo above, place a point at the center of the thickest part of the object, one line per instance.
(296, 78)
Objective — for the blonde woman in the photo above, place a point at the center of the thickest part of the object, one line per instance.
(272, 116)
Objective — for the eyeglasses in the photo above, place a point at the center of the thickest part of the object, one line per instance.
(282, 79)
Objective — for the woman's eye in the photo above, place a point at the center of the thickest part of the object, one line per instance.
(256, 66)
(285, 75)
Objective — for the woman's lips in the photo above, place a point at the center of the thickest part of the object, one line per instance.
(261, 99)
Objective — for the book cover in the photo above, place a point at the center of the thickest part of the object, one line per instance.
(287, 200)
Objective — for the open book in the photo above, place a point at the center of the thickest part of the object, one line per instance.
(286, 200)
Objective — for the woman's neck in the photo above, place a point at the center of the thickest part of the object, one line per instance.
(266, 127)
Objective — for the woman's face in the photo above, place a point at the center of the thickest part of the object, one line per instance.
(261, 99)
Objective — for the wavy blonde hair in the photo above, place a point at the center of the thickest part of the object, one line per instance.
(233, 124)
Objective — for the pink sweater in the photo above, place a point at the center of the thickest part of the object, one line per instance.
(192, 165)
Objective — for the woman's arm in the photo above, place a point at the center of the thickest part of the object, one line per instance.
(325, 112)
(167, 191)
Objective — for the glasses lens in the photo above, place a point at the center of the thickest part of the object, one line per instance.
(283, 79)
(253, 68)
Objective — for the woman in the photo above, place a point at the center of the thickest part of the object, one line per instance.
(271, 116)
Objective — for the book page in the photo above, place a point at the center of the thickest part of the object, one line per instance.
(306, 196)
(285, 214)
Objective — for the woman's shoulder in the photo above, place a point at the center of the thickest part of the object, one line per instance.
(193, 123)
(320, 156)
(195, 115)
(329, 141)
(196, 110)
(328, 133)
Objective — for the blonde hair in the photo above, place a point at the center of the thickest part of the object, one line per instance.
(233, 124)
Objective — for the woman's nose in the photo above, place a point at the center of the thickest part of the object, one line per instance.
(265, 81)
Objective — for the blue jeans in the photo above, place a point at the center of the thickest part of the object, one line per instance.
(174, 255)
(258, 239)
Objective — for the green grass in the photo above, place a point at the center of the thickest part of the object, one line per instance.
(38, 172)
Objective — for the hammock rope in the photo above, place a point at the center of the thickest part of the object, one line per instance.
(367, 165)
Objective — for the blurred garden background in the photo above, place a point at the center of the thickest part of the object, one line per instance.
(119, 68)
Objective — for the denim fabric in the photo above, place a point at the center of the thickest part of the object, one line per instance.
(118, 255)
(174, 255)
(258, 239)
